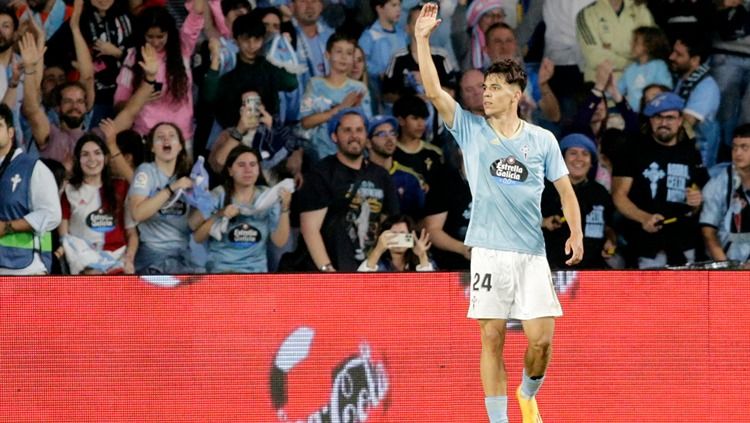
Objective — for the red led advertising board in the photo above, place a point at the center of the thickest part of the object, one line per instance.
(632, 347)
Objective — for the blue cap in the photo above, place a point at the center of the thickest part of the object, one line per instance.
(379, 120)
(333, 124)
(581, 141)
(664, 102)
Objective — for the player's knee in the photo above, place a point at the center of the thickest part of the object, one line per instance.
(542, 344)
(493, 337)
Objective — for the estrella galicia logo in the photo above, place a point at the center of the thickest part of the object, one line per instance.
(358, 383)
(243, 235)
(100, 221)
(509, 171)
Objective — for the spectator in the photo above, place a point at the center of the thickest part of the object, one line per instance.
(50, 13)
(231, 10)
(107, 29)
(344, 199)
(252, 73)
(326, 97)
(162, 219)
(725, 218)
(501, 44)
(388, 255)
(657, 188)
(359, 69)
(29, 207)
(383, 38)
(240, 246)
(689, 61)
(173, 98)
(402, 75)
(58, 142)
(603, 31)
(649, 49)
(599, 239)
(471, 89)
(312, 38)
(381, 144)
(424, 158)
(730, 66)
(93, 210)
(255, 129)
(11, 69)
(447, 210)
(481, 15)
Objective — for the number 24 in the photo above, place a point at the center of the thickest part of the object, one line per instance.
(486, 282)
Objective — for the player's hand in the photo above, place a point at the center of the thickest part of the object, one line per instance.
(574, 246)
(427, 21)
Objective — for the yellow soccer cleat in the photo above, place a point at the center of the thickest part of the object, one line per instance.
(529, 410)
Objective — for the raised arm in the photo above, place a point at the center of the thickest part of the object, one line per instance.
(150, 65)
(32, 107)
(83, 55)
(426, 23)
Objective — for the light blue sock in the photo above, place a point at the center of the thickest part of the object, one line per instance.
(529, 386)
(497, 408)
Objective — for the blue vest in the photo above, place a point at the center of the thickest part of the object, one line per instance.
(17, 249)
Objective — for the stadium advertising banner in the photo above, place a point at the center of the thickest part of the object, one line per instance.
(632, 347)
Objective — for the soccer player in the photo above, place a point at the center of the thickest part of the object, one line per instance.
(506, 161)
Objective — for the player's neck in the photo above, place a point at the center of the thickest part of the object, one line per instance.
(506, 124)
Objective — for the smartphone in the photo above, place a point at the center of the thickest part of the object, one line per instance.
(402, 240)
(158, 86)
(252, 103)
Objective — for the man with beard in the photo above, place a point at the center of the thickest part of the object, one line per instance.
(344, 199)
(658, 187)
(57, 141)
(381, 144)
(689, 61)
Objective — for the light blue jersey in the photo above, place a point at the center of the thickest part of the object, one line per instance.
(506, 178)
(243, 248)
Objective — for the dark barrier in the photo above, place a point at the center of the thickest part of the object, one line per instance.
(632, 347)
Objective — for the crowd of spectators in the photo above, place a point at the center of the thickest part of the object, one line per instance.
(162, 136)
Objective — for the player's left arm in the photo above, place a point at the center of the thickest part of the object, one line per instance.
(572, 213)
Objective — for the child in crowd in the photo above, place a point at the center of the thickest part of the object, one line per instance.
(649, 49)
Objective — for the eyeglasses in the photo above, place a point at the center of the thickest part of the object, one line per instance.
(668, 119)
(381, 134)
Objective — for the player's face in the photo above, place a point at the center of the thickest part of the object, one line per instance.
(91, 159)
(578, 161)
(166, 143)
(245, 170)
(666, 125)
(350, 136)
(499, 97)
(383, 140)
(741, 153)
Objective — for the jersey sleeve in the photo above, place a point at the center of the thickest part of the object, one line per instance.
(554, 164)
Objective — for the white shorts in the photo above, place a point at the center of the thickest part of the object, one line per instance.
(510, 285)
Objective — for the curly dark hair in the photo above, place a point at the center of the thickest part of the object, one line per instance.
(512, 71)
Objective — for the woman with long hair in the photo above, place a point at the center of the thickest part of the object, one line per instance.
(242, 246)
(399, 249)
(172, 100)
(156, 205)
(93, 207)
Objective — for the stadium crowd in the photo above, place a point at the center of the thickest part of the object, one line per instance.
(164, 137)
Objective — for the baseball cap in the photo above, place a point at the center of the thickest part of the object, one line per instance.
(662, 103)
(379, 120)
(333, 124)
